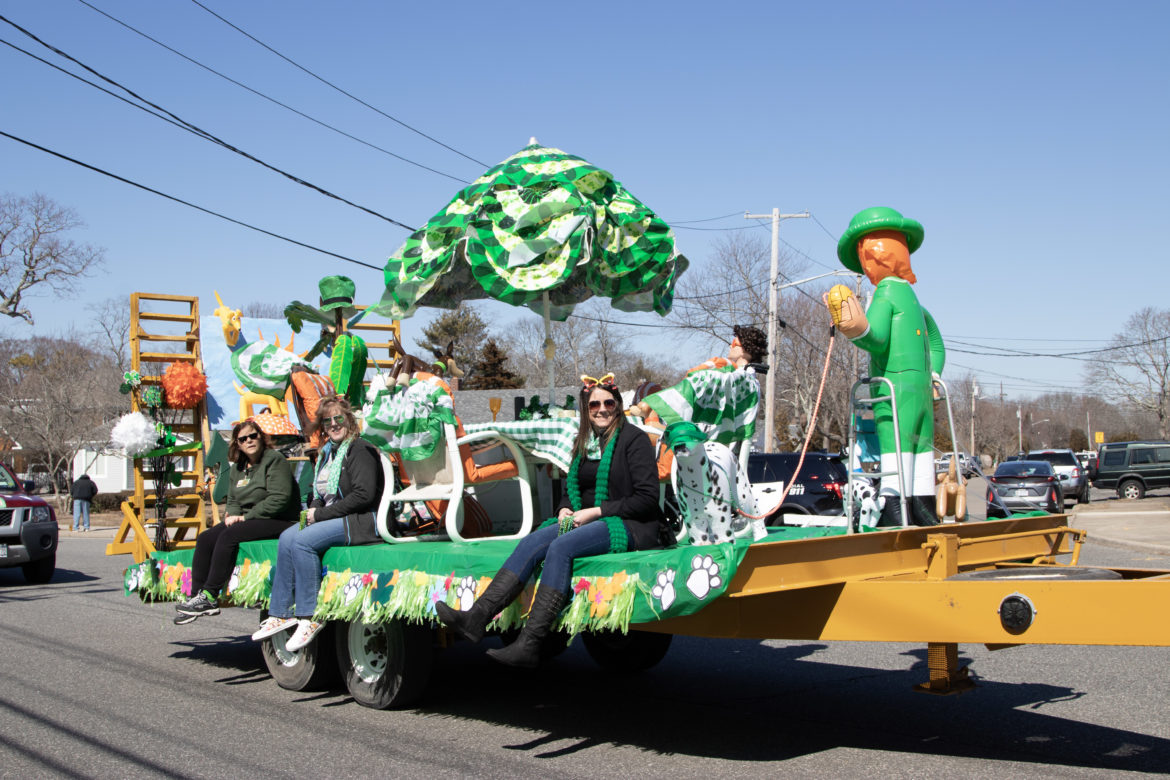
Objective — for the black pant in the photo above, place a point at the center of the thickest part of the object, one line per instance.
(216, 548)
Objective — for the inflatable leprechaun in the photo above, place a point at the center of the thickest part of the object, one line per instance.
(905, 347)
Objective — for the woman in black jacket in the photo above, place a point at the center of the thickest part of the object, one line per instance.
(347, 488)
(610, 505)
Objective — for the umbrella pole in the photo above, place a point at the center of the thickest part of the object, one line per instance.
(548, 349)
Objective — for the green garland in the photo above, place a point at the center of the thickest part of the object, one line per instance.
(618, 540)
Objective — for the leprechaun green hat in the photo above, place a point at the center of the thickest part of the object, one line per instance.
(869, 220)
(337, 292)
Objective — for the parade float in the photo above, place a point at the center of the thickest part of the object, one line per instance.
(546, 230)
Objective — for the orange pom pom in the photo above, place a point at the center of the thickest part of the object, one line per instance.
(184, 386)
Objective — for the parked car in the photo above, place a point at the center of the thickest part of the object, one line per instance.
(817, 489)
(1024, 486)
(28, 529)
(1065, 462)
(1133, 467)
(968, 465)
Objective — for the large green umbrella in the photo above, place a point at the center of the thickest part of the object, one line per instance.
(542, 229)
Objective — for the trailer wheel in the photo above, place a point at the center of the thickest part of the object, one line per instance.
(311, 667)
(636, 651)
(385, 664)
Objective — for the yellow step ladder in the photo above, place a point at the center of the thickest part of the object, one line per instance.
(140, 510)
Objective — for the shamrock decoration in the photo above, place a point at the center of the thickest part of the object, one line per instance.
(152, 397)
(130, 380)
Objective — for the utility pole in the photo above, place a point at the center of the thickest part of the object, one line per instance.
(974, 395)
(773, 318)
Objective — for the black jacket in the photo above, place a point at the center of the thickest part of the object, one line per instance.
(360, 487)
(633, 489)
(83, 488)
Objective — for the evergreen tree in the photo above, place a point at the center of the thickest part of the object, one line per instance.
(463, 326)
(491, 372)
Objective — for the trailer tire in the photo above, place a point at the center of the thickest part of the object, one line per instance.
(1044, 574)
(311, 668)
(635, 651)
(385, 664)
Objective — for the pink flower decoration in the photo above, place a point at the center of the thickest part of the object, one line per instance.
(447, 582)
(368, 579)
(582, 584)
(185, 582)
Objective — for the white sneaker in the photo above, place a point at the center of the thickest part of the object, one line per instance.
(272, 626)
(306, 631)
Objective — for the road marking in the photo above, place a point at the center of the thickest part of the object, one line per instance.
(1099, 512)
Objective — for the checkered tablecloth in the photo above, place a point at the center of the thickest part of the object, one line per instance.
(550, 439)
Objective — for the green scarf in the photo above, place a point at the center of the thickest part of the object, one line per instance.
(619, 541)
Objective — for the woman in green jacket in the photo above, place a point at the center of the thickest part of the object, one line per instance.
(262, 502)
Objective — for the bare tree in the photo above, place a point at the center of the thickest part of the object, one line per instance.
(1136, 367)
(111, 323)
(34, 252)
(56, 397)
(261, 310)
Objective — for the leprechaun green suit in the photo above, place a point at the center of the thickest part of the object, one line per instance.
(905, 347)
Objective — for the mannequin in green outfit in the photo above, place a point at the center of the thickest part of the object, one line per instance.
(905, 347)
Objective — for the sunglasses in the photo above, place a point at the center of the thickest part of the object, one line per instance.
(336, 421)
(247, 437)
(609, 403)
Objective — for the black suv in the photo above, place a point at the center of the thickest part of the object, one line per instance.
(1133, 467)
(817, 489)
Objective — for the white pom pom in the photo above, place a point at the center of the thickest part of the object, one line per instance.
(134, 434)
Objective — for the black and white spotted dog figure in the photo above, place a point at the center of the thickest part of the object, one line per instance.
(714, 494)
(867, 504)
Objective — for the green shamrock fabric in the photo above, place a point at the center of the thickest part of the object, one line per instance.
(540, 221)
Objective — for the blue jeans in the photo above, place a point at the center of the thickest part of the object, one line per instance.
(298, 567)
(557, 552)
(80, 514)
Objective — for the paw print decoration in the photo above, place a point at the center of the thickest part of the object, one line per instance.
(352, 588)
(234, 582)
(465, 593)
(704, 576)
(663, 589)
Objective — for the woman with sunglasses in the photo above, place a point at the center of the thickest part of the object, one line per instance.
(610, 505)
(262, 502)
(347, 489)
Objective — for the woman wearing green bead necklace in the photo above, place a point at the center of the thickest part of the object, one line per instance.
(610, 505)
(347, 488)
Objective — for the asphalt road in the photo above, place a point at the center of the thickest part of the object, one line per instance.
(100, 685)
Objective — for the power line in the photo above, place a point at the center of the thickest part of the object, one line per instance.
(273, 100)
(334, 86)
(185, 203)
(205, 134)
(708, 219)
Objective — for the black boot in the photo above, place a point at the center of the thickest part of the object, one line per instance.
(924, 510)
(891, 516)
(505, 587)
(525, 651)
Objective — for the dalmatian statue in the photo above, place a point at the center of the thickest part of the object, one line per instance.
(867, 504)
(714, 494)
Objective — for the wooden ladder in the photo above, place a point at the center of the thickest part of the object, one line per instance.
(132, 536)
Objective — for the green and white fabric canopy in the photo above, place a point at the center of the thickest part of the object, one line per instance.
(540, 223)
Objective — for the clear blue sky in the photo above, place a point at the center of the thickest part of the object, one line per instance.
(1030, 139)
